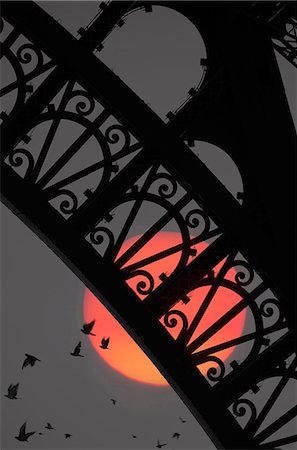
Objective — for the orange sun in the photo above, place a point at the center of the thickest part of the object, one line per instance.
(124, 355)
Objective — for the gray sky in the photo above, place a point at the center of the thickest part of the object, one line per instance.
(42, 300)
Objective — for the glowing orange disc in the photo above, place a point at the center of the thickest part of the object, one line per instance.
(124, 355)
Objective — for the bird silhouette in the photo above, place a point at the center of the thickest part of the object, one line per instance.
(23, 436)
(104, 343)
(113, 401)
(182, 420)
(30, 360)
(49, 426)
(176, 435)
(12, 391)
(76, 351)
(159, 445)
(67, 435)
(87, 328)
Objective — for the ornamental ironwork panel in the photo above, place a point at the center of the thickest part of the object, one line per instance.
(24, 67)
(101, 179)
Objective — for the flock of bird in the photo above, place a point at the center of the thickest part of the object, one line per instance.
(23, 436)
(31, 360)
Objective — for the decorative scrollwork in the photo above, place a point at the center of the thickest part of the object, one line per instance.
(168, 186)
(269, 308)
(146, 286)
(215, 373)
(18, 157)
(68, 206)
(85, 103)
(26, 53)
(98, 235)
(242, 406)
(244, 274)
(170, 320)
(114, 133)
(198, 218)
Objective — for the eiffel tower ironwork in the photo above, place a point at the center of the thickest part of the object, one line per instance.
(241, 105)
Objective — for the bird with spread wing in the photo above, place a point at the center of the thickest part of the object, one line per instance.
(30, 360)
(87, 328)
(76, 351)
(176, 435)
(23, 436)
(104, 343)
(12, 391)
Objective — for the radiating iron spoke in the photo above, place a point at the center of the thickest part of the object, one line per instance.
(275, 426)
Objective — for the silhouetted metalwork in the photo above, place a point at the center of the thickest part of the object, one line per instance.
(280, 18)
(117, 160)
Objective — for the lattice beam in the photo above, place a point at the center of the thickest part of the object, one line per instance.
(161, 144)
(162, 157)
(17, 127)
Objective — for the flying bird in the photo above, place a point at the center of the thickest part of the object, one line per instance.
(23, 436)
(76, 351)
(29, 361)
(12, 391)
(104, 343)
(159, 445)
(87, 328)
(182, 420)
(113, 401)
(67, 435)
(49, 426)
(176, 435)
